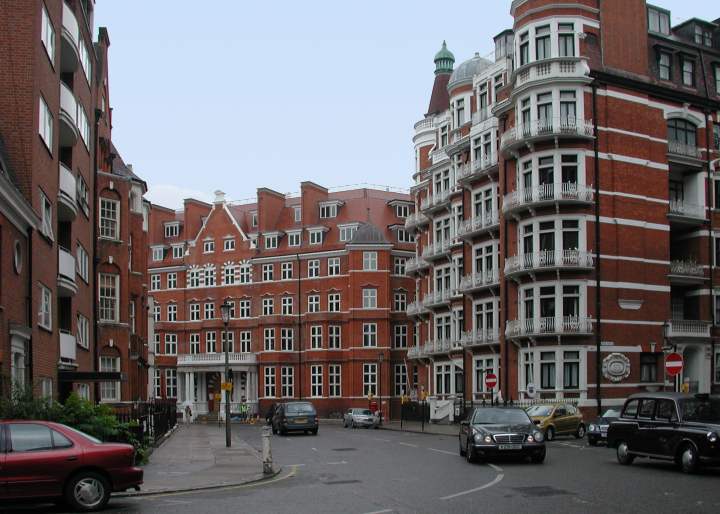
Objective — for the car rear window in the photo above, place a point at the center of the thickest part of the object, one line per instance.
(300, 408)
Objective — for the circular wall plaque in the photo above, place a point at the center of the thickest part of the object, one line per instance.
(616, 367)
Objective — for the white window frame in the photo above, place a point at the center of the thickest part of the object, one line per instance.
(316, 381)
(228, 244)
(400, 379)
(171, 344)
(83, 263)
(269, 339)
(369, 378)
(316, 337)
(286, 271)
(171, 383)
(110, 389)
(268, 272)
(334, 380)
(112, 303)
(313, 268)
(334, 337)
(83, 331)
(313, 303)
(46, 213)
(370, 335)
(287, 381)
(294, 238)
(47, 35)
(333, 266)
(400, 336)
(209, 246)
(370, 261)
(269, 381)
(109, 219)
(316, 237)
(172, 229)
(46, 124)
(369, 296)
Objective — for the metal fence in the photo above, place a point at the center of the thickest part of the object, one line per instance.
(150, 420)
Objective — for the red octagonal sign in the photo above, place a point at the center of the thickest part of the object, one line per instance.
(490, 380)
(673, 364)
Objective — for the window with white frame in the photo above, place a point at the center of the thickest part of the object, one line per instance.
(316, 380)
(269, 376)
(245, 341)
(157, 383)
(253, 219)
(347, 232)
(83, 125)
(328, 210)
(294, 238)
(157, 349)
(194, 312)
(271, 242)
(172, 229)
(297, 213)
(482, 367)
(400, 381)
(334, 380)
(158, 253)
(83, 195)
(286, 270)
(209, 310)
(557, 240)
(485, 314)
(402, 210)
(403, 236)
(228, 276)
(334, 337)
(444, 133)
(194, 343)
(47, 34)
(208, 246)
(156, 313)
(399, 301)
(171, 383)
(228, 244)
(83, 391)
(83, 331)
(333, 266)
(109, 218)
(231, 305)
(443, 379)
(245, 276)
(316, 237)
(109, 290)
(172, 280)
(571, 370)
(370, 261)
(369, 296)
(688, 71)
(245, 308)
(268, 271)
(109, 390)
(227, 338)
(399, 265)
(547, 370)
(210, 342)
(313, 268)
(46, 124)
(333, 302)
(400, 336)
(83, 263)
(193, 277)
(313, 303)
(553, 304)
(269, 339)
(369, 378)
(287, 339)
(172, 312)
(566, 39)
(287, 305)
(287, 379)
(369, 334)
(658, 20)
(268, 306)
(316, 337)
(170, 344)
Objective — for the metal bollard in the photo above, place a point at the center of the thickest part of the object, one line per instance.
(267, 452)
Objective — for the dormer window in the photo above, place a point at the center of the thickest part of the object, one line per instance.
(443, 136)
(158, 254)
(253, 219)
(665, 66)
(658, 21)
(177, 252)
(228, 245)
(688, 72)
(316, 237)
(208, 246)
(271, 242)
(703, 36)
(298, 213)
(459, 112)
(172, 229)
(294, 238)
(347, 232)
(402, 211)
(328, 210)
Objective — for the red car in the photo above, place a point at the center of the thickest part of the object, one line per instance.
(39, 459)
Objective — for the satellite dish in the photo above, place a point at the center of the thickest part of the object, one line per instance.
(530, 390)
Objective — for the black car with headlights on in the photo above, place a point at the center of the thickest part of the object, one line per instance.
(495, 431)
(683, 428)
(597, 429)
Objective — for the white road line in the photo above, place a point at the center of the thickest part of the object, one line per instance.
(442, 451)
(338, 462)
(382, 440)
(570, 445)
(410, 445)
(496, 468)
(314, 449)
(496, 480)
(380, 511)
(294, 465)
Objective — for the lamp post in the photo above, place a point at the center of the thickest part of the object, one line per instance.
(381, 357)
(225, 312)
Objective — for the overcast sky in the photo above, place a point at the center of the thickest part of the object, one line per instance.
(236, 95)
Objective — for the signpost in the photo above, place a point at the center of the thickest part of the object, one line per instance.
(490, 380)
(673, 364)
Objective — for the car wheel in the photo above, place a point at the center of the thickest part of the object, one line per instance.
(592, 441)
(623, 454)
(314, 431)
(353, 424)
(470, 454)
(688, 459)
(283, 431)
(538, 458)
(87, 491)
(549, 434)
(460, 447)
(580, 433)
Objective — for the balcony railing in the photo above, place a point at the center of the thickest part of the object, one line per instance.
(547, 128)
(436, 250)
(567, 192)
(478, 281)
(414, 352)
(478, 224)
(481, 115)
(415, 309)
(414, 264)
(686, 268)
(439, 346)
(69, 54)
(439, 155)
(436, 299)
(687, 328)
(476, 169)
(548, 326)
(68, 346)
(212, 359)
(66, 273)
(435, 200)
(684, 150)
(416, 219)
(687, 210)
(68, 117)
(551, 68)
(67, 193)
(424, 124)
(548, 259)
(480, 337)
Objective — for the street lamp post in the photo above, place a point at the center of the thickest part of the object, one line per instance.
(225, 312)
(381, 357)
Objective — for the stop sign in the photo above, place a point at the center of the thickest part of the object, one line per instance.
(673, 364)
(490, 380)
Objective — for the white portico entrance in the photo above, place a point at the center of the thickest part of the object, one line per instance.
(200, 376)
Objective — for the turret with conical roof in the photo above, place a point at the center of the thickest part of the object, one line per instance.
(444, 62)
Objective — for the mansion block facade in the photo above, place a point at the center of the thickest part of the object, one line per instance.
(317, 290)
(566, 196)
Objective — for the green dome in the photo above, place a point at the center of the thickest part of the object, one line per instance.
(444, 60)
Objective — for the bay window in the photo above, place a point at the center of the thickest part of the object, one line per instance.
(542, 42)
(566, 39)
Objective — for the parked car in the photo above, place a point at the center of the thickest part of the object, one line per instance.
(295, 416)
(493, 431)
(597, 430)
(557, 419)
(43, 460)
(360, 418)
(678, 427)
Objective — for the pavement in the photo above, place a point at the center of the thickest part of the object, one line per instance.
(419, 427)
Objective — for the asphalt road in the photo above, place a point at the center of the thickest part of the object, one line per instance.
(378, 471)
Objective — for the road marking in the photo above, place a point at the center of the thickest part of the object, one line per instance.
(384, 441)
(493, 482)
(570, 445)
(294, 465)
(496, 468)
(442, 451)
(410, 445)
(314, 449)
(380, 511)
(338, 462)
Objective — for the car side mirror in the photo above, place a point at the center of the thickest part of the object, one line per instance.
(464, 423)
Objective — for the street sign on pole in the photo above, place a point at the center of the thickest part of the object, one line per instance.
(490, 380)
(673, 364)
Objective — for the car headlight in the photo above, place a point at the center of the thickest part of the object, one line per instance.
(712, 437)
(530, 439)
(538, 436)
(487, 439)
(593, 428)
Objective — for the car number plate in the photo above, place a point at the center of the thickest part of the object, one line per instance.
(510, 446)
(300, 420)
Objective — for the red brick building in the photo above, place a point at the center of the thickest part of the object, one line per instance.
(318, 292)
(55, 124)
(566, 197)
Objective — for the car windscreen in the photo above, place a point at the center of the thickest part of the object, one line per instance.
(701, 410)
(490, 416)
(539, 410)
(611, 413)
(299, 408)
(363, 412)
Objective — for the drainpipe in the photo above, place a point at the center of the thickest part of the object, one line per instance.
(95, 260)
(504, 299)
(299, 325)
(598, 302)
(29, 308)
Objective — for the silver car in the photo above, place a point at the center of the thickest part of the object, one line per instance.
(360, 418)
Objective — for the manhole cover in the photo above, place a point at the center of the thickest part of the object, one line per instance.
(541, 491)
(344, 449)
(340, 482)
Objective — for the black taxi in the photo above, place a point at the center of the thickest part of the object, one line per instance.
(678, 427)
